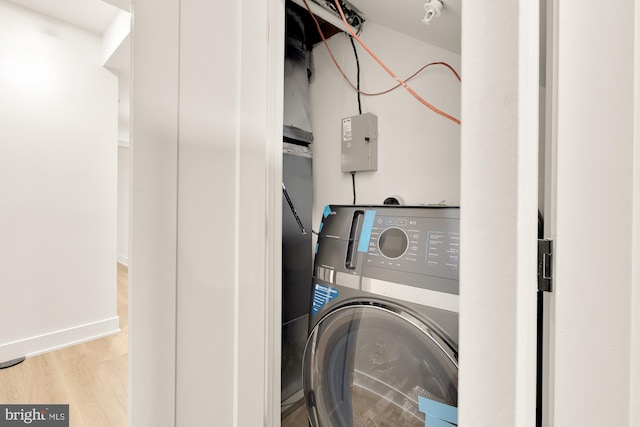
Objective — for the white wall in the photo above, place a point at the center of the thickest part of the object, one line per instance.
(124, 107)
(124, 169)
(594, 215)
(418, 150)
(634, 396)
(123, 203)
(58, 115)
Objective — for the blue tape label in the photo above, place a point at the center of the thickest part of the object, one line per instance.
(327, 211)
(437, 414)
(365, 234)
(322, 294)
(435, 422)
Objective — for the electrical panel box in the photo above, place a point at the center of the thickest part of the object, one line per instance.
(360, 143)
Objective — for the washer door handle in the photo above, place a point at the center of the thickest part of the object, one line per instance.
(354, 235)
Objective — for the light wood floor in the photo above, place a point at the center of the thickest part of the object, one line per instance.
(90, 377)
(297, 418)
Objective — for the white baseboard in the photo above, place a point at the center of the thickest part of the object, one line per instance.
(59, 339)
(124, 260)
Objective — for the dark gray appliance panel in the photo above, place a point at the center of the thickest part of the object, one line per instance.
(296, 247)
(297, 257)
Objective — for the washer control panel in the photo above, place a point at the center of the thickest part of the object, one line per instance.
(412, 245)
(426, 244)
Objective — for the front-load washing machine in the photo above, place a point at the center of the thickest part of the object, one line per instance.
(383, 342)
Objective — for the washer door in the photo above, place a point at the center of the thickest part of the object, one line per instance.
(367, 365)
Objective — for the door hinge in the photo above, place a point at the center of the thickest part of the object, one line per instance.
(545, 260)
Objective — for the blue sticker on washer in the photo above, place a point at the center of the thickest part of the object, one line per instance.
(322, 294)
(365, 234)
(437, 422)
(437, 414)
(327, 211)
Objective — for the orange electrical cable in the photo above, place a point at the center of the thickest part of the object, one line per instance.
(400, 81)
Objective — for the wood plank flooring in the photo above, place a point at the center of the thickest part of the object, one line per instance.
(297, 418)
(90, 377)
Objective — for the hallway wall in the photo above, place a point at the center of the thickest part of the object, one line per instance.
(58, 115)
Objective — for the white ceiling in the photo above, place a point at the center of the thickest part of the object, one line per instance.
(405, 16)
(92, 15)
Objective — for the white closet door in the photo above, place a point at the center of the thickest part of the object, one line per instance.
(498, 213)
(590, 214)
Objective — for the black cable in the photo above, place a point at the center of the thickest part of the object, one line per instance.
(353, 181)
(355, 52)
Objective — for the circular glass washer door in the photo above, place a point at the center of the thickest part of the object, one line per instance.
(367, 365)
